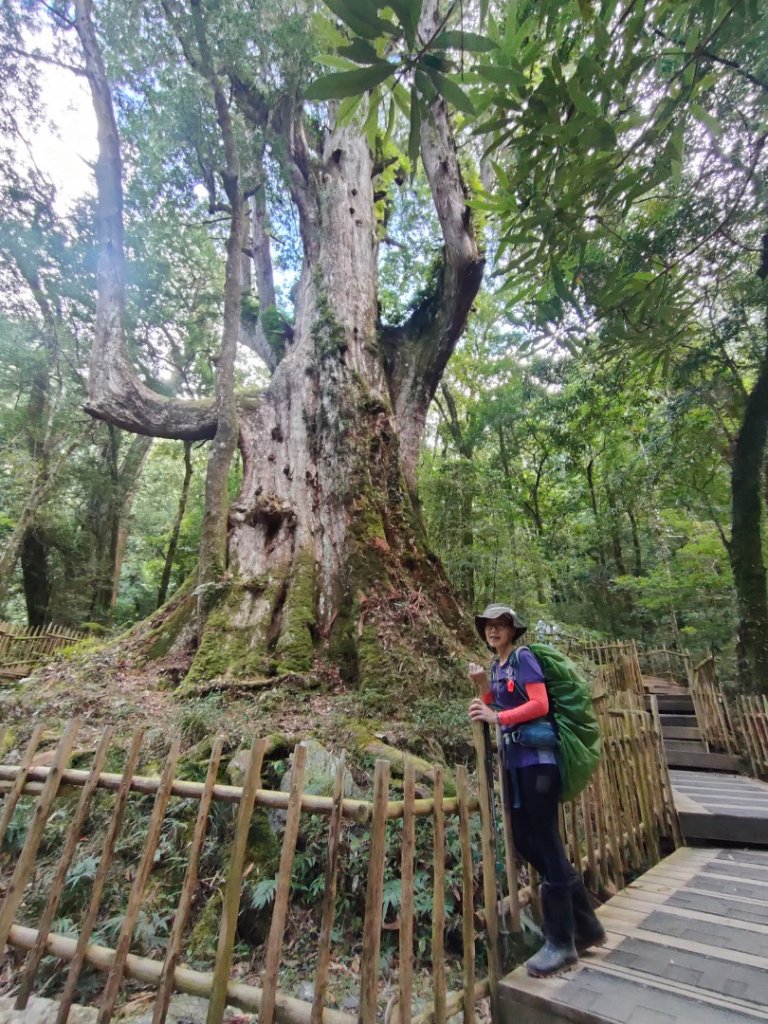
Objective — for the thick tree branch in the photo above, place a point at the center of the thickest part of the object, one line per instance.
(213, 542)
(416, 354)
(115, 393)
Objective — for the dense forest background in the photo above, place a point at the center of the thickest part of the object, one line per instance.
(594, 449)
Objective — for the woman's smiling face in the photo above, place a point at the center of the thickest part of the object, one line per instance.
(499, 633)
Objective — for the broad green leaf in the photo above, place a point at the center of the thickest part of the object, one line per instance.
(371, 124)
(455, 39)
(599, 135)
(402, 98)
(390, 118)
(347, 108)
(424, 86)
(705, 118)
(581, 100)
(501, 76)
(361, 17)
(561, 288)
(333, 60)
(326, 32)
(451, 92)
(408, 12)
(360, 51)
(514, 40)
(349, 83)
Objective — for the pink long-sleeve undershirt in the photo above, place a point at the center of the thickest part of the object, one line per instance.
(536, 706)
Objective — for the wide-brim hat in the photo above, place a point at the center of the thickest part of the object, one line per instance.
(499, 611)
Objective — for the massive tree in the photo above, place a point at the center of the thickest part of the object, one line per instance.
(323, 546)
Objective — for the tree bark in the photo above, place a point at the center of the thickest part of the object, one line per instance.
(746, 552)
(36, 578)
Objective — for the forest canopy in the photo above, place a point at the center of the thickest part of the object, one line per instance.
(376, 312)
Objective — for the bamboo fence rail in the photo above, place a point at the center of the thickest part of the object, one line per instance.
(619, 824)
(23, 648)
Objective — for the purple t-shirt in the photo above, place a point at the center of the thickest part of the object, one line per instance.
(526, 670)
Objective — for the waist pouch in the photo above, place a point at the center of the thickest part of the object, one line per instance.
(538, 733)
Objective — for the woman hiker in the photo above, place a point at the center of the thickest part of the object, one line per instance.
(516, 693)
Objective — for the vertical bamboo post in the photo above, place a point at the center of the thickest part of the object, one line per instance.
(407, 853)
(231, 902)
(115, 977)
(467, 902)
(57, 885)
(489, 872)
(329, 898)
(280, 909)
(510, 853)
(438, 899)
(576, 848)
(369, 961)
(563, 828)
(589, 837)
(26, 861)
(596, 788)
(107, 849)
(20, 781)
(628, 803)
(173, 951)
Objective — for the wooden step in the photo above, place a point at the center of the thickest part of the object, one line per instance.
(675, 720)
(678, 732)
(678, 703)
(702, 761)
(690, 745)
(723, 808)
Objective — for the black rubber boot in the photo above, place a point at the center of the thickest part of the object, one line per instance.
(588, 929)
(558, 953)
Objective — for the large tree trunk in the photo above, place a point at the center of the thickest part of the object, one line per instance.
(326, 558)
(326, 546)
(746, 550)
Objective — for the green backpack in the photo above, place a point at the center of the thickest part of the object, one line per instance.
(571, 706)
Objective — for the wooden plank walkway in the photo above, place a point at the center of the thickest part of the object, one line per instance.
(721, 808)
(687, 944)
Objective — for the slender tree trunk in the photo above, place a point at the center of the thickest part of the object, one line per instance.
(36, 578)
(173, 542)
(747, 560)
(637, 568)
(109, 515)
(590, 473)
(131, 469)
(44, 482)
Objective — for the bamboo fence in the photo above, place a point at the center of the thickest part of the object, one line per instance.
(23, 648)
(619, 824)
(617, 669)
(734, 724)
(663, 663)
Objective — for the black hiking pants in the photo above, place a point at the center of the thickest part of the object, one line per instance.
(535, 823)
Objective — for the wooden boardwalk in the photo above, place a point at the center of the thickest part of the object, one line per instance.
(687, 944)
(721, 808)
